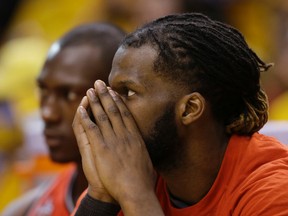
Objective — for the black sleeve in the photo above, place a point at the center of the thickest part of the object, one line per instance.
(90, 207)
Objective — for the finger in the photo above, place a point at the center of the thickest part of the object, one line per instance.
(80, 134)
(88, 152)
(93, 133)
(77, 127)
(125, 113)
(87, 157)
(109, 106)
(84, 148)
(101, 118)
(84, 102)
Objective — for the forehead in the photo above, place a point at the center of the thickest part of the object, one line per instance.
(73, 65)
(134, 63)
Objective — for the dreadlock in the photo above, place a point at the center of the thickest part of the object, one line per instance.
(212, 58)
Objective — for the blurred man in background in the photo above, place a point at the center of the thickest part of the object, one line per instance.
(73, 64)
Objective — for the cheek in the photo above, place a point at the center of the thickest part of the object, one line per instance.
(145, 118)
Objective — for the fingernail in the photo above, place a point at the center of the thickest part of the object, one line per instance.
(91, 93)
(100, 84)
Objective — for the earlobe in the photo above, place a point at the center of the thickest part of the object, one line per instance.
(191, 107)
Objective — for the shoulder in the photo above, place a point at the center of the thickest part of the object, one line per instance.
(264, 191)
(21, 205)
(258, 168)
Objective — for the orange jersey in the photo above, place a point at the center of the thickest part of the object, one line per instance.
(252, 180)
(54, 201)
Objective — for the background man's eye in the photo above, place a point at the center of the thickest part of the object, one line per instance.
(71, 96)
(130, 93)
(42, 92)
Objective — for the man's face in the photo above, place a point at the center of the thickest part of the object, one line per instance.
(151, 100)
(163, 143)
(63, 82)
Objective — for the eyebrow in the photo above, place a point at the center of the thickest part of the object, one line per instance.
(132, 83)
(75, 86)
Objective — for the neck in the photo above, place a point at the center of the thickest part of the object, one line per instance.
(80, 183)
(199, 168)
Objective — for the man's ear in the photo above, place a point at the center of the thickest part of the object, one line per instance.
(191, 107)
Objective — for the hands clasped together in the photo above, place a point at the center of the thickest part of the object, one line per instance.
(114, 156)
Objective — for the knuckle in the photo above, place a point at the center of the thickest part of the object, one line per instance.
(92, 126)
(125, 140)
(126, 114)
(85, 117)
(102, 117)
(113, 110)
(117, 99)
(104, 93)
(94, 100)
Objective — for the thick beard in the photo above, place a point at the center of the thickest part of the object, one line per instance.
(163, 143)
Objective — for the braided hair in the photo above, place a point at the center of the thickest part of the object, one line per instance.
(212, 58)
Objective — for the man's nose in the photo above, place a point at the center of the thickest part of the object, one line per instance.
(50, 110)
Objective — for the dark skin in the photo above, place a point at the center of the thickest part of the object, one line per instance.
(63, 81)
(118, 146)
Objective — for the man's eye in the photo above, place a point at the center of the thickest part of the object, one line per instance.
(130, 93)
(42, 92)
(71, 96)
(125, 92)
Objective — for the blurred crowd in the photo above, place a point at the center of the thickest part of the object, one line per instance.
(28, 28)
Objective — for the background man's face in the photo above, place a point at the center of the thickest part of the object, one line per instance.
(63, 82)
